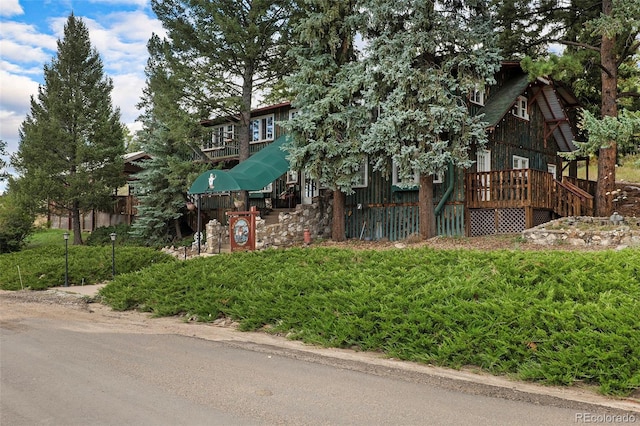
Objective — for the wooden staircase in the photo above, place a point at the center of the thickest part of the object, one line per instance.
(571, 200)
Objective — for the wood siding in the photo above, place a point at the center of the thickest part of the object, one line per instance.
(382, 211)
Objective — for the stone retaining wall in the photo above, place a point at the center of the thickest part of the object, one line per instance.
(586, 231)
(288, 231)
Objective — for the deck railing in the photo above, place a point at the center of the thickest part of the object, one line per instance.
(570, 200)
(228, 150)
(527, 188)
(509, 188)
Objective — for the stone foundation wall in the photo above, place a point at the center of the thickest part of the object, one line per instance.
(586, 231)
(288, 231)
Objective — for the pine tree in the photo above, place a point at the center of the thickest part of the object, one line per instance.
(4, 174)
(223, 51)
(601, 40)
(167, 131)
(424, 58)
(71, 143)
(327, 133)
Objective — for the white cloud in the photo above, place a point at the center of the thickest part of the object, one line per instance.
(27, 35)
(127, 91)
(10, 8)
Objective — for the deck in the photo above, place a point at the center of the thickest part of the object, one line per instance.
(530, 190)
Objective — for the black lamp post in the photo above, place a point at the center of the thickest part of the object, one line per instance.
(66, 258)
(199, 234)
(113, 253)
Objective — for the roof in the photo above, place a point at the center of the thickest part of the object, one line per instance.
(549, 101)
(501, 102)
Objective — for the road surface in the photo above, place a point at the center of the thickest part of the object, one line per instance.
(70, 363)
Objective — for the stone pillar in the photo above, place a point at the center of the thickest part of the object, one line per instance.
(215, 231)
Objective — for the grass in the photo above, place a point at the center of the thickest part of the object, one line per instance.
(627, 171)
(552, 317)
(42, 263)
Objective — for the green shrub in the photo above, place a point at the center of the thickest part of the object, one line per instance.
(16, 223)
(554, 317)
(102, 236)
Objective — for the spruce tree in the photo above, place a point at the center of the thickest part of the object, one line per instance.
(71, 143)
(327, 132)
(424, 58)
(166, 136)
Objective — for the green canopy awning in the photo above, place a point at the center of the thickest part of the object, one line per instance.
(253, 174)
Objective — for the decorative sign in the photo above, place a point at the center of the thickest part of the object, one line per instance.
(242, 230)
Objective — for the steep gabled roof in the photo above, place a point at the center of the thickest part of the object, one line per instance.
(501, 102)
(548, 100)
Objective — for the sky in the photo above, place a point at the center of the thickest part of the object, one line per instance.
(29, 30)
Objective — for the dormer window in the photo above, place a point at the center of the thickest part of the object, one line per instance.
(521, 108)
(477, 95)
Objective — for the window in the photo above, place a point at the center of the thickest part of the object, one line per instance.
(477, 95)
(551, 168)
(293, 113)
(262, 129)
(520, 162)
(521, 108)
(363, 175)
(220, 136)
(292, 176)
(414, 181)
(398, 181)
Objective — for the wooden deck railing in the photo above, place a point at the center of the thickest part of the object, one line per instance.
(589, 186)
(226, 151)
(527, 188)
(509, 188)
(571, 200)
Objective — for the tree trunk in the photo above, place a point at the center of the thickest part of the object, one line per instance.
(75, 223)
(607, 155)
(337, 225)
(176, 227)
(425, 206)
(245, 124)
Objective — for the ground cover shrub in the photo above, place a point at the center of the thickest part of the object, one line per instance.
(102, 236)
(553, 317)
(42, 267)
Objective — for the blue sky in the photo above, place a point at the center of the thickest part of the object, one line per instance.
(29, 30)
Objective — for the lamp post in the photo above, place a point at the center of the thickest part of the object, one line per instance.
(66, 258)
(113, 253)
(198, 221)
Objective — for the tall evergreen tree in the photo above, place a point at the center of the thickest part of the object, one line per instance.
(4, 174)
(424, 59)
(166, 136)
(71, 143)
(327, 133)
(600, 44)
(223, 51)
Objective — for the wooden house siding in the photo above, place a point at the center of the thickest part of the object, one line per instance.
(515, 136)
(382, 211)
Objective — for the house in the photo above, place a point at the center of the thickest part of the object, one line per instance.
(516, 182)
(125, 202)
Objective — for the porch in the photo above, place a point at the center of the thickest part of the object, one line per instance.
(509, 201)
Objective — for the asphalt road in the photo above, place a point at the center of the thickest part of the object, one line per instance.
(80, 371)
